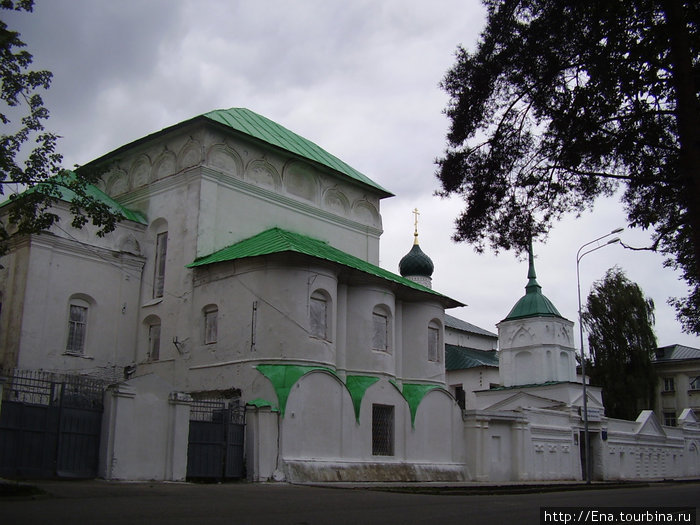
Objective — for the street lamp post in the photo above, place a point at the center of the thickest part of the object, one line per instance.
(579, 256)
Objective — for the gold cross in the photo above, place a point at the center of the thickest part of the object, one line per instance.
(416, 213)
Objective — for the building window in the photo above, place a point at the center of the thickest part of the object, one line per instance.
(211, 317)
(77, 327)
(380, 330)
(154, 341)
(434, 342)
(669, 384)
(695, 383)
(670, 419)
(161, 253)
(460, 396)
(318, 315)
(382, 430)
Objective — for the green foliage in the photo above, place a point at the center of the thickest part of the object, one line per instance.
(36, 168)
(563, 101)
(619, 321)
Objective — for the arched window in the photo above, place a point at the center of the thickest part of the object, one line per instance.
(434, 341)
(211, 321)
(77, 325)
(381, 333)
(319, 314)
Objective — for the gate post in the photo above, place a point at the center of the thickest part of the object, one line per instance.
(262, 452)
(178, 436)
(118, 418)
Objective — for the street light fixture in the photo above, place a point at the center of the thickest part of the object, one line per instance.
(579, 256)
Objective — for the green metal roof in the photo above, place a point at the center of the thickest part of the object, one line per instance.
(462, 358)
(277, 240)
(533, 303)
(67, 195)
(259, 127)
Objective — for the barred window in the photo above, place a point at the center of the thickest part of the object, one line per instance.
(382, 430)
(77, 327)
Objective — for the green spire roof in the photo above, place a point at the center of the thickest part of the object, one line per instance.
(533, 303)
(259, 127)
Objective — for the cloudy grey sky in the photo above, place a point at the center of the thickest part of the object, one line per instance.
(359, 78)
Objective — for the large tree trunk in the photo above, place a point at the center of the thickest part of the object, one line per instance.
(687, 115)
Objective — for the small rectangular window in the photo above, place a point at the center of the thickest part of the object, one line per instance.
(695, 383)
(154, 342)
(669, 384)
(318, 317)
(670, 419)
(161, 254)
(210, 326)
(381, 332)
(382, 430)
(77, 326)
(433, 344)
(460, 396)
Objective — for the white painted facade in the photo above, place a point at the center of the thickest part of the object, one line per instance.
(311, 393)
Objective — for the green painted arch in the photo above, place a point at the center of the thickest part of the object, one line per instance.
(284, 377)
(414, 393)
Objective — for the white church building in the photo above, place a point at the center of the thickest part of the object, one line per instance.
(245, 274)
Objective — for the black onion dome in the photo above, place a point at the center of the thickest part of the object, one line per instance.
(416, 262)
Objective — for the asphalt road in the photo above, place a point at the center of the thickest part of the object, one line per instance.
(100, 502)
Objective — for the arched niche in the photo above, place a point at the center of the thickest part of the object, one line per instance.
(335, 201)
(117, 183)
(300, 180)
(139, 172)
(365, 212)
(263, 173)
(165, 165)
(225, 159)
(190, 155)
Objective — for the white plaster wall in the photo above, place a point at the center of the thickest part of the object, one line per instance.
(144, 431)
(39, 282)
(416, 318)
(535, 350)
(471, 380)
(359, 355)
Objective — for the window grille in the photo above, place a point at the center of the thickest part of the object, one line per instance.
(382, 430)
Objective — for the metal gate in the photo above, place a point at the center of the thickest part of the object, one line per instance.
(216, 439)
(50, 425)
